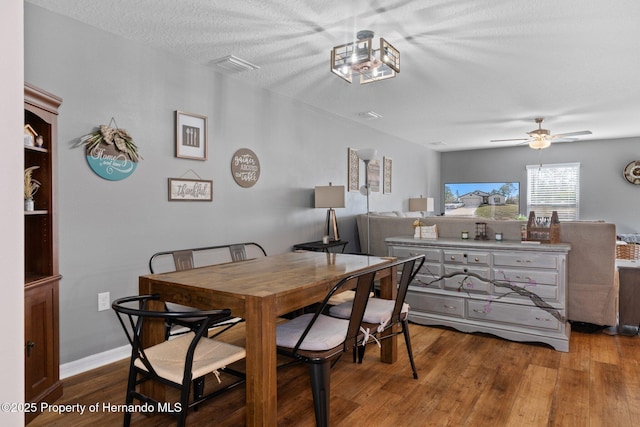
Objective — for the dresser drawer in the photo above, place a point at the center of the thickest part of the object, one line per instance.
(533, 277)
(526, 260)
(427, 274)
(471, 284)
(425, 302)
(430, 254)
(513, 314)
(454, 256)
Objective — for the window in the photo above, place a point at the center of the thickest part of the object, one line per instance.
(554, 187)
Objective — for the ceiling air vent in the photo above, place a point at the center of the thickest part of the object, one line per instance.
(233, 64)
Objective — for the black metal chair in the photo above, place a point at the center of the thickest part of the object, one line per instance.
(318, 339)
(183, 259)
(178, 362)
(382, 315)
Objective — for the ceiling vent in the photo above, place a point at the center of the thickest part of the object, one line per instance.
(233, 64)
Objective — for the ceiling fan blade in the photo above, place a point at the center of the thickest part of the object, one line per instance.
(564, 139)
(506, 140)
(562, 135)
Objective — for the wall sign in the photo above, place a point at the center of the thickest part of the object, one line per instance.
(193, 190)
(110, 163)
(245, 168)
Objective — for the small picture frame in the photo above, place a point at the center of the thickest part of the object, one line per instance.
(191, 136)
(191, 190)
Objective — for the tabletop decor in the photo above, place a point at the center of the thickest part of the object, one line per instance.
(111, 152)
(191, 136)
(31, 186)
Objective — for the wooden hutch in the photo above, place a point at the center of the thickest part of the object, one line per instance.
(41, 274)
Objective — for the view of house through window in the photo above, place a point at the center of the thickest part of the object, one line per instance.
(490, 200)
(554, 187)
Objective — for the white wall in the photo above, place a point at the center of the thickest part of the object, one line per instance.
(12, 213)
(604, 193)
(108, 230)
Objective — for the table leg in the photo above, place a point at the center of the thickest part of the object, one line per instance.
(261, 386)
(389, 290)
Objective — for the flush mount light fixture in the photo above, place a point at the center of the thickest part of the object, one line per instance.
(361, 58)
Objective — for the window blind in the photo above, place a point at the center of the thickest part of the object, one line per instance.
(554, 187)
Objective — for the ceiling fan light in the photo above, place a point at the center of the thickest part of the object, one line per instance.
(539, 143)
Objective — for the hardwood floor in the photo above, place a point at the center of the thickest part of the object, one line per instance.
(464, 379)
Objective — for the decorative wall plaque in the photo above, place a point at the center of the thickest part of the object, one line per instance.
(353, 168)
(194, 190)
(387, 167)
(245, 168)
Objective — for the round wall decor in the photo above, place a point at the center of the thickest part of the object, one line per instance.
(109, 163)
(245, 167)
(632, 172)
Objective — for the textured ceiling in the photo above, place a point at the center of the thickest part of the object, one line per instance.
(471, 70)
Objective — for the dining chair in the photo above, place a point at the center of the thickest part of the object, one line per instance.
(382, 315)
(184, 260)
(178, 362)
(320, 340)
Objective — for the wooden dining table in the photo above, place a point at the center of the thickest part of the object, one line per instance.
(260, 291)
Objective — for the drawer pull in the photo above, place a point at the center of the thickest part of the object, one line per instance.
(449, 306)
(475, 310)
(523, 278)
(526, 261)
(543, 319)
(453, 258)
(476, 259)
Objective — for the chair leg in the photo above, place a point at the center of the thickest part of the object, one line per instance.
(131, 387)
(320, 387)
(184, 402)
(407, 340)
(198, 390)
(361, 349)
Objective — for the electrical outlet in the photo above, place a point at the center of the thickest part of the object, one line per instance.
(104, 300)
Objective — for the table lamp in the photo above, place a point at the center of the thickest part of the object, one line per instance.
(421, 204)
(330, 196)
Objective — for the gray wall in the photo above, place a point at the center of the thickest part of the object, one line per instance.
(108, 230)
(604, 193)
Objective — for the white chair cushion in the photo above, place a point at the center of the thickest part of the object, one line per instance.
(344, 297)
(327, 332)
(378, 310)
(167, 358)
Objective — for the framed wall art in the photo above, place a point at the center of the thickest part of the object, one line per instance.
(191, 136)
(387, 167)
(353, 168)
(374, 175)
(192, 190)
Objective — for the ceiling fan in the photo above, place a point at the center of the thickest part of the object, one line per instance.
(542, 138)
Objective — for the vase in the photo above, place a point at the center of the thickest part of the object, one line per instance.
(28, 205)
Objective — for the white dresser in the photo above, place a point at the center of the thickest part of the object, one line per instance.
(488, 286)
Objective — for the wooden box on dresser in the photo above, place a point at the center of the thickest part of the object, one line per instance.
(42, 277)
(470, 304)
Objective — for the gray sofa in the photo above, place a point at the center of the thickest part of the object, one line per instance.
(592, 283)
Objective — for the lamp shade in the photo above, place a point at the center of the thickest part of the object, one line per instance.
(424, 204)
(330, 196)
(367, 154)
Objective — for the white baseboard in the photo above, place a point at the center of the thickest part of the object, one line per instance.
(94, 361)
